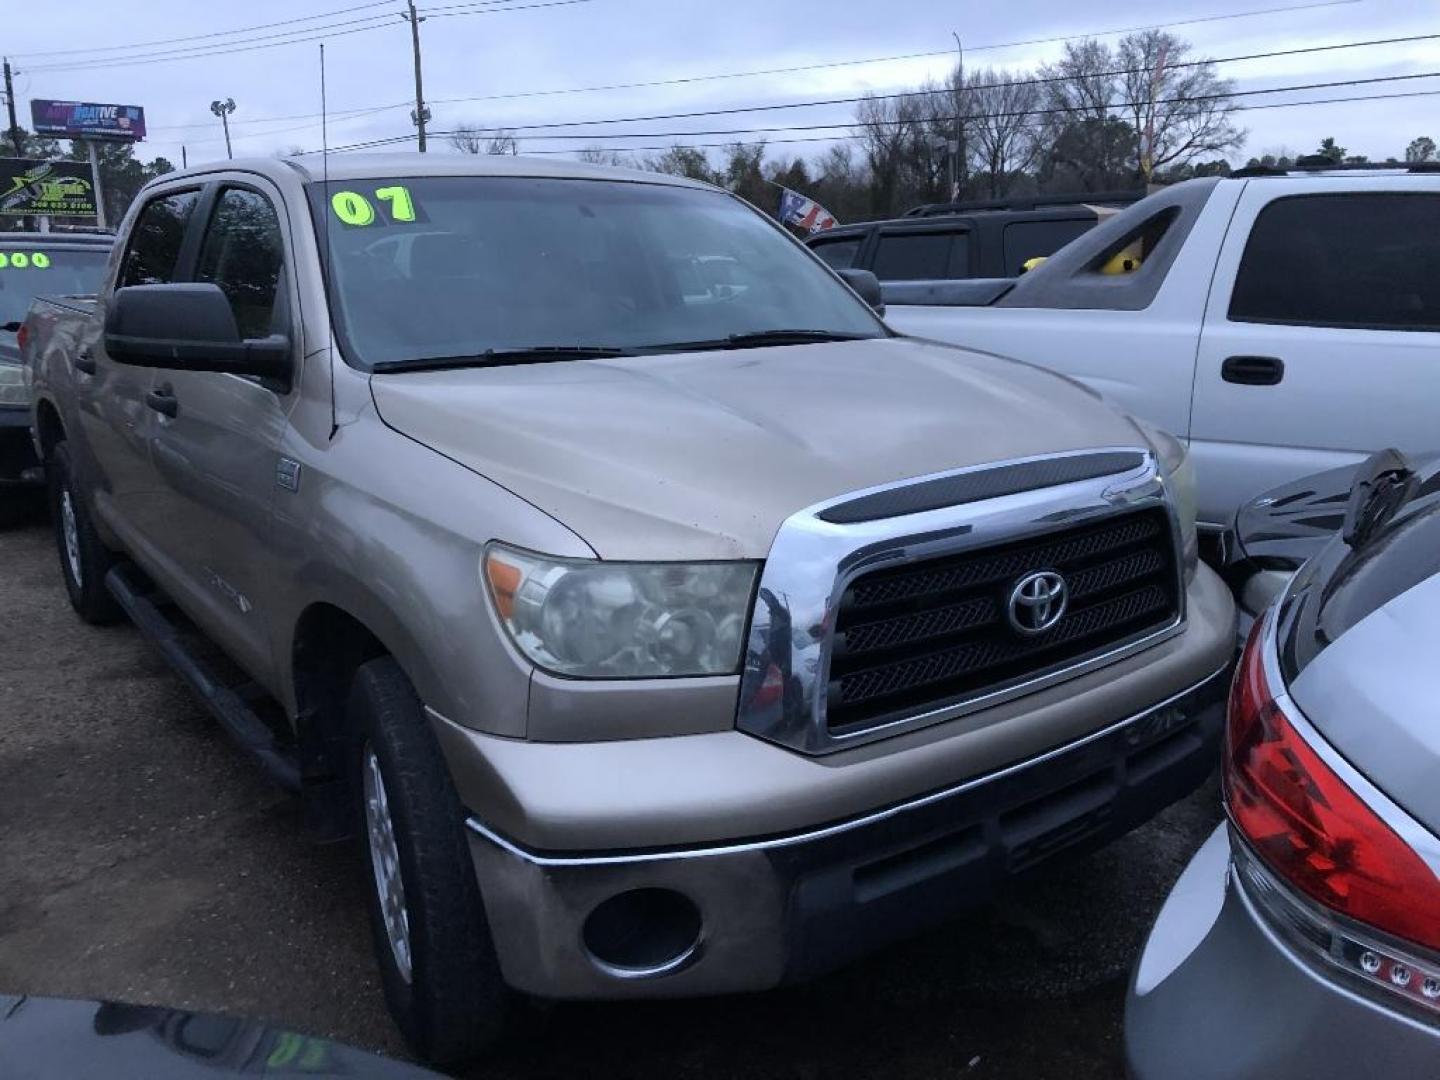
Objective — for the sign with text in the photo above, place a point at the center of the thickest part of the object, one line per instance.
(86, 120)
(56, 188)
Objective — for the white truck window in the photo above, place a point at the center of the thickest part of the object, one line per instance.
(1365, 260)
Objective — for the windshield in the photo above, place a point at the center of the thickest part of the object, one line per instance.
(28, 272)
(458, 266)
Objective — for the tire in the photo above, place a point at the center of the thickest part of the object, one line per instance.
(84, 559)
(441, 976)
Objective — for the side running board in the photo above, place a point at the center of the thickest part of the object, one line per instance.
(227, 704)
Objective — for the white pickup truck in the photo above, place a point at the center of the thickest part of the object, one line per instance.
(1282, 323)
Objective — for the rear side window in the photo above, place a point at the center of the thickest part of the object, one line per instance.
(922, 256)
(1025, 240)
(155, 241)
(840, 253)
(243, 254)
(1361, 261)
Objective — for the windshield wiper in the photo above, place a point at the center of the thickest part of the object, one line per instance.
(756, 339)
(530, 354)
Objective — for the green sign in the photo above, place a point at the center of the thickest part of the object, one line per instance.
(55, 188)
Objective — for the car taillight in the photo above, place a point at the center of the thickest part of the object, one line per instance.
(1310, 829)
(22, 335)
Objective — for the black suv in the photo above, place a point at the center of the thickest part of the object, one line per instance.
(965, 240)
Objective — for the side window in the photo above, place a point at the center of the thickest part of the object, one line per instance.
(839, 254)
(156, 239)
(922, 256)
(243, 254)
(1026, 240)
(1360, 261)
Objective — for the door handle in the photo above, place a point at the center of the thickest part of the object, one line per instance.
(1253, 370)
(162, 399)
(85, 362)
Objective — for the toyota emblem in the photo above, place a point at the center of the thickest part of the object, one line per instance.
(1038, 601)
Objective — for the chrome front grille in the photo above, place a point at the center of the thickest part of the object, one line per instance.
(866, 627)
(916, 637)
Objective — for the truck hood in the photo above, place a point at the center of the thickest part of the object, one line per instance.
(703, 455)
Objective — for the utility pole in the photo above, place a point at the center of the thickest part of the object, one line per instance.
(223, 109)
(421, 115)
(957, 150)
(15, 136)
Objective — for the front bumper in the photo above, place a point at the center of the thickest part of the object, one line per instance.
(18, 464)
(779, 908)
(1218, 996)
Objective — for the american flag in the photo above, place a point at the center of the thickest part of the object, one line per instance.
(807, 214)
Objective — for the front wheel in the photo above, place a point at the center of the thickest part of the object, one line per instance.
(84, 558)
(437, 961)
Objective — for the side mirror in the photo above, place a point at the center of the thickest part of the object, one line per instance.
(188, 327)
(866, 286)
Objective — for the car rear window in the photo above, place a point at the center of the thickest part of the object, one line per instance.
(1025, 240)
(1357, 261)
(922, 256)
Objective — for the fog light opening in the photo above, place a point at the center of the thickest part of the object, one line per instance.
(643, 933)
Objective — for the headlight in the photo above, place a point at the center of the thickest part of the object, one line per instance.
(13, 390)
(609, 620)
(1179, 473)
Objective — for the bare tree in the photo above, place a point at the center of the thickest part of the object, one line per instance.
(1085, 144)
(1003, 126)
(599, 155)
(688, 161)
(469, 139)
(1081, 84)
(1179, 109)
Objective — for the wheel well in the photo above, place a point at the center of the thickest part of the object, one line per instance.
(48, 427)
(329, 645)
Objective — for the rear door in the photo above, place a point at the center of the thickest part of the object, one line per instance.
(111, 399)
(1321, 340)
(218, 454)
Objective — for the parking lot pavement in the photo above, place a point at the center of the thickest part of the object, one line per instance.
(144, 859)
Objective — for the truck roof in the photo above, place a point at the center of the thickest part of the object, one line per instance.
(361, 166)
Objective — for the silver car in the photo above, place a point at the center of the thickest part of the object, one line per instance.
(1304, 938)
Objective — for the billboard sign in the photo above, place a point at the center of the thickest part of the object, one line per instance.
(86, 120)
(59, 188)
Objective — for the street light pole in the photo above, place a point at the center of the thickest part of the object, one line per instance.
(421, 114)
(14, 132)
(223, 109)
(957, 152)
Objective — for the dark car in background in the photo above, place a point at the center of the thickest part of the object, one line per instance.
(947, 241)
(1303, 940)
(34, 264)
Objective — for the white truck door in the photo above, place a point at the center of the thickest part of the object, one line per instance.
(1321, 341)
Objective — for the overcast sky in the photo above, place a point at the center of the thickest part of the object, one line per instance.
(604, 42)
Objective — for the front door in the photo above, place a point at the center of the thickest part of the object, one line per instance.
(217, 456)
(110, 398)
(1321, 341)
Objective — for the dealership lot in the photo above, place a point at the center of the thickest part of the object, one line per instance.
(146, 860)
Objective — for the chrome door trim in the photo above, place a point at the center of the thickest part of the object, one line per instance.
(812, 562)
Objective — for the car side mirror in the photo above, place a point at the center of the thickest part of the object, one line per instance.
(188, 327)
(866, 286)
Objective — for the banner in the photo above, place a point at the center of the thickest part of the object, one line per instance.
(58, 188)
(86, 120)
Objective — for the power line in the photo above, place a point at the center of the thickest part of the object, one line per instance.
(777, 106)
(391, 140)
(785, 70)
(215, 34)
(884, 59)
(291, 37)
